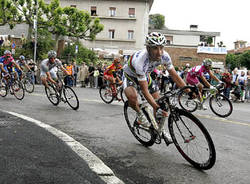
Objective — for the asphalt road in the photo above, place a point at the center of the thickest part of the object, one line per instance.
(102, 128)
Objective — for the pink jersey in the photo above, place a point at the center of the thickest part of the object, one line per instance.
(197, 71)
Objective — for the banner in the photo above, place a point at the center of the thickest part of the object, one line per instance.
(212, 50)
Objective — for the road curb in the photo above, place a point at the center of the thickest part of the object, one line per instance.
(94, 163)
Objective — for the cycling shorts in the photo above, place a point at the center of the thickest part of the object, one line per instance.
(52, 72)
(132, 81)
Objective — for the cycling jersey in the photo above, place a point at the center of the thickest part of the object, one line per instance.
(46, 66)
(112, 68)
(8, 63)
(194, 73)
(139, 65)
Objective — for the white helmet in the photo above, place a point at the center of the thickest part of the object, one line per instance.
(52, 54)
(155, 39)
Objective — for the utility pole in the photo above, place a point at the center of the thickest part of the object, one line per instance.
(35, 27)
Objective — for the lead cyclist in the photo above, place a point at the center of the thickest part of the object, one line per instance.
(137, 72)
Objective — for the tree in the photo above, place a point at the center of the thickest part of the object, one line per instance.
(156, 21)
(244, 59)
(9, 14)
(232, 60)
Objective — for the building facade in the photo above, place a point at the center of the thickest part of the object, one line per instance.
(125, 23)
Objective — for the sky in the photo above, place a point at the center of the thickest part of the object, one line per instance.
(229, 17)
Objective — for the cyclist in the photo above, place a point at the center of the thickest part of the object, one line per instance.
(137, 72)
(7, 65)
(111, 75)
(49, 69)
(23, 65)
(196, 73)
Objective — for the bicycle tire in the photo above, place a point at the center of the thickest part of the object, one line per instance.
(3, 89)
(220, 99)
(18, 89)
(138, 131)
(123, 96)
(185, 101)
(52, 94)
(184, 143)
(105, 92)
(28, 85)
(73, 94)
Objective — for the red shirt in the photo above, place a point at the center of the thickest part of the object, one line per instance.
(112, 68)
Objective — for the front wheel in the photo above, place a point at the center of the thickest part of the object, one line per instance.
(71, 97)
(3, 89)
(18, 89)
(186, 99)
(146, 136)
(192, 139)
(52, 94)
(28, 85)
(106, 94)
(221, 105)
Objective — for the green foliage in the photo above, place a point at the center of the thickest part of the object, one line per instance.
(209, 40)
(232, 61)
(83, 55)
(156, 21)
(244, 59)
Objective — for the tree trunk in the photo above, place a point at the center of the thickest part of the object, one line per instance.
(29, 32)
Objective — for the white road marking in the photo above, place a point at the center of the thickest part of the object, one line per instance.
(95, 164)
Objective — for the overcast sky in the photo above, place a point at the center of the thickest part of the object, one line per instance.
(230, 18)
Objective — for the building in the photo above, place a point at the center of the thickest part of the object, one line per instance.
(189, 46)
(125, 23)
(240, 46)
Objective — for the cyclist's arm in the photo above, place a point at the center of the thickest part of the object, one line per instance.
(17, 66)
(64, 70)
(147, 95)
(27, 66)
(205, 81)
(176, 78)
(49, 78)
(2, 68)
(213, 76)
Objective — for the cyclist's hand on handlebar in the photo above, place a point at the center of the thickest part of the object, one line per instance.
(159, 113)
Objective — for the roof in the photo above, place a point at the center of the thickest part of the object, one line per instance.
(18, 30)
(240, 50)
(185, 32)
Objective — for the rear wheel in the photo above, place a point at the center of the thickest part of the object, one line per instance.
(71, 97)
(146, 136)
(186, 100)
(18, 89)
(221, 105)
(106, 94)
(192, 139)
(52, 94)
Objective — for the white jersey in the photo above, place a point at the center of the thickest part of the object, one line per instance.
(139, 65)
(47, 66)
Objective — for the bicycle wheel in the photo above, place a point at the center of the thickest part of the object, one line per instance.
(28, 85)
(221, 105)
(192, 139)
(3, 89)
(123, 96)
(52, 94)
(106, 94)
(145, 136)
(18, 89)
(185, 99)
(71, 97)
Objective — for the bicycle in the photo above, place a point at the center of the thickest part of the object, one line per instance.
(28, 83)
(218, 103)
(63, 93)
(189, 135)
(12, 86)
(106, 94)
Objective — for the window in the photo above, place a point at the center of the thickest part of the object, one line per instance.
(111, 33)
(169, 40)
(131, 12)
(130, 34)
(112, 11)
(93, 11)
(73, 6)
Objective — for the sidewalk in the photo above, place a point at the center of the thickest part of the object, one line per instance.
(30, 154)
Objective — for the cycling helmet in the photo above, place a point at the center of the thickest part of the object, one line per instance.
(22, 57)
(207, 62)
(52, 54)
(155, 39)
(7, 52)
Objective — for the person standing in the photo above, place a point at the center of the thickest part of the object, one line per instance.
(248, 86)
(1, 41)
(91, 75)
(75, 72)
(227, 79)
(69, 69)
(83, 74)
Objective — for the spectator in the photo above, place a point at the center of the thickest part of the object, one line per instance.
(242, 83)
(248, 86)
(23, 40)
(69, 79)
(100, 77)
(6, 43)
(1, 41)
(83, 75)
(227, 79)
(91, 75)
(75, 72)
(218, 75)
(96, 74)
